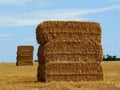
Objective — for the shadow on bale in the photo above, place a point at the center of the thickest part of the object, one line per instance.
(41, 75)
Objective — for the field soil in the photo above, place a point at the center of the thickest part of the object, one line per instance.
(14, 77)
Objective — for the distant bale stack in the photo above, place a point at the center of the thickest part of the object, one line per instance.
(24, 55)
(69, 51)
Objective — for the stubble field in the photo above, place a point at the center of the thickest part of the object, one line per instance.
(14, 77)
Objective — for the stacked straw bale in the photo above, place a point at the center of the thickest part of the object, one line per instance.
(69, 51)
(24, 55)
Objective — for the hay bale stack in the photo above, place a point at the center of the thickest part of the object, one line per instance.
(69, 51)
(24, 55)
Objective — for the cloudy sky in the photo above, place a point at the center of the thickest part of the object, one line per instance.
(19, 18)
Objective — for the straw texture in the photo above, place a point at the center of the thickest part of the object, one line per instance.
(68, 31)
(26, 48)
(69, 51)
(24, 55)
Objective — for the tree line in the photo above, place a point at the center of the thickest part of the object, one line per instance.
(110, 58)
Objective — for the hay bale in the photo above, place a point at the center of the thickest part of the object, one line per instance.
(24, 55)
(21, 58)
(69, 72)
(74, 77)
(71, 47)
(73, 68)
(27, 61)
(25, 48)
(69, 58)
(72, 32)
(67, 37)
(85, 52)
(69, 51)
(24, 64)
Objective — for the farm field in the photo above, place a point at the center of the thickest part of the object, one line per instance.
(14, 77)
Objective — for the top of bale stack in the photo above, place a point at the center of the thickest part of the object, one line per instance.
(48, 27)
(25, 48)
(68, 24)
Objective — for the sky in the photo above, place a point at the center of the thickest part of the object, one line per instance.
(19, 19)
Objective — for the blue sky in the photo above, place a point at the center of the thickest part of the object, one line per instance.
(19, 19)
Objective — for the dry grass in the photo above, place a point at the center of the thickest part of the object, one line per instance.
(24, 78)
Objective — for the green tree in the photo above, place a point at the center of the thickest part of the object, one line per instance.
(114, 57)
(109, 57)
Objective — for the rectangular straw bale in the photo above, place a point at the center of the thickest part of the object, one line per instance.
(27, 48)
(60, 70)
(70, 37)
(68, 31)
(85, 58)
(70, 52)
(74, 77)
(23, 64)
(71, 47)
(25, 61)
(73, 68)
(24, 53)
(80, 48)
(70, 58)
(72, 24)
(24, 58)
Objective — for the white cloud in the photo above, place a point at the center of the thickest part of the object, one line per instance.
(13, 2)
(35, 17)
(112, 1)
(39, 3)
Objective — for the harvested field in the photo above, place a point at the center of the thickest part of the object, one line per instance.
(24, 78)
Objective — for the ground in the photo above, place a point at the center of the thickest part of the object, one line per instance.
(14, 77)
